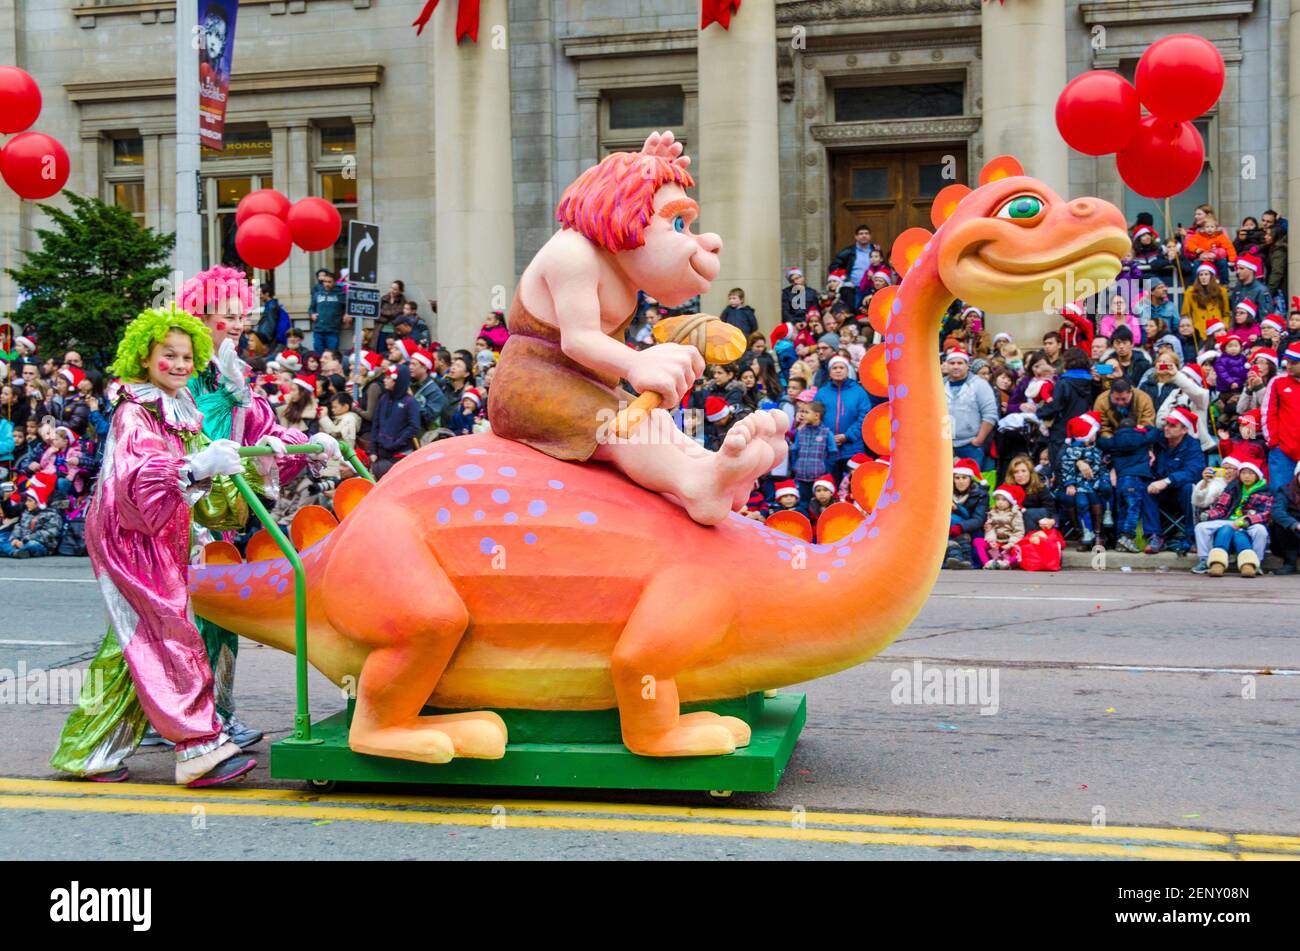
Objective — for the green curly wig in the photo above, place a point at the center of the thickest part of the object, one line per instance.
(152, 326)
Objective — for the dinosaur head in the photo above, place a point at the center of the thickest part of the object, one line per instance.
(1013, 244)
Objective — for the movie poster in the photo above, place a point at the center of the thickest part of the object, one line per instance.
(216, 52)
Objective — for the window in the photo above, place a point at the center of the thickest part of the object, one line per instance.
(646, 108)
(910, 101)
(128, 152)
(221, 196)
(336, 178)
(869, 183)
(130, 195)
(338, 140)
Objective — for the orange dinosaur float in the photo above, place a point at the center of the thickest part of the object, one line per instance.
(484, 573)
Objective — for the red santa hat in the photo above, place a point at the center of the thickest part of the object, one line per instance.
(1084, 426)
(967, 467)
(781, 331)
(372, 360)
(1208, 356)
(826, 481)
(1248, 306)
(469, 393)
(1273, 322)
(423, 356)
(1040, 390)
(1207, 267)
(1266, 353)
(793, 272)
(716, 409)
(1181, 414)
(39, 488)
(1213, 326)
(787, 488)
(1292, 352)
(1140, 230)
(1012, 493)
(73, 375)
(838, 360)
(837, 275)
(27, 342)
(288, 360)
(1251, 263)
(68, 434)
(407, 348)
(957, 353)
(856, 460)
(1253, 417)
(1075, 308)
(1195, 371)
(1252, 466)
(307, 381)
(393, 372)
(881, 272)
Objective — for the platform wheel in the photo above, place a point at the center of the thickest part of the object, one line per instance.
(720, 795)
(322, 785)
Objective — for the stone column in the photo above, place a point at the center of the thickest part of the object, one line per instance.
(1022, 45)
(738, 158)
(291, 171)
(1291, 205)
(154, 184)
(474, 188)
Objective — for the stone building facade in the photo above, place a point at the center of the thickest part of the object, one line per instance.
(878, 103)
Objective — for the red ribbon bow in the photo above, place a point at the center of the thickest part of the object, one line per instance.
(466, 19)
(718, 11)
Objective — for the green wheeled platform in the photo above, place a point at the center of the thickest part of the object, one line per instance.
(579, 749)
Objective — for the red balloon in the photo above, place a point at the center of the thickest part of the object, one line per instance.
(264, 201)
(263, 241)
(1162, 159)
(1097, 113)
(315, 224)
(20, 99)
(35, 165)
(1180, 77)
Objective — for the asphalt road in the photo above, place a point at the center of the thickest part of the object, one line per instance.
(1136, 715)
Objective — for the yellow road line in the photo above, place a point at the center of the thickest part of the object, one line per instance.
(782, 816)
(1275, 843)
(307, 811)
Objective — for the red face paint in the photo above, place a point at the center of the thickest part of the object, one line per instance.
(221, 325)
(163, 366)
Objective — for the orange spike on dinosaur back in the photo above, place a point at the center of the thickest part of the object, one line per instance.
(1004, 166)
(262, 547)
(946, 202)
(838, 521)
(868, 482)
(221, 553)
(871, 371)
(349, 495)
(881, 307)
(907, 248)
(310, 525)
(792, 523)
(876, 430)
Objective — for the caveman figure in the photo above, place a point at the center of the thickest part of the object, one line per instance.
(626, 226)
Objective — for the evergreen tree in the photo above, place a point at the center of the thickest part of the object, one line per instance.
(95, 270)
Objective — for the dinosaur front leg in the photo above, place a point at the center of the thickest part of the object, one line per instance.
(671, 631)
(412, 636)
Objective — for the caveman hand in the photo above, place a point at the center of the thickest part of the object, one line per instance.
(668, 369)
(663, 145)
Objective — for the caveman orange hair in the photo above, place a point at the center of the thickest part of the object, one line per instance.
(612, 203)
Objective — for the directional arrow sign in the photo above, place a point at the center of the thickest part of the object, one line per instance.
(363, 253)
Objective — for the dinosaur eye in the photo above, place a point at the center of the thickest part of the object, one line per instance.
(679, 223)
(1022, 208)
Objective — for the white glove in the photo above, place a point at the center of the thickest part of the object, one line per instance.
(328, 444)
(275, 442)
(233, 370)
(220, 457)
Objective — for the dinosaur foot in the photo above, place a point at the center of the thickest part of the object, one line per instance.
(706, 737)
(740, 732)
(438, 739)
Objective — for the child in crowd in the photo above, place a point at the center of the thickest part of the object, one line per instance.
(39, 527)
(814, 447)
(1243, 512)
(1214, 481)
(788, 497)
(341, 422)
(1230, 367)
(845, 491)
(970, 507)
(467, 413)
(1005, 527)
(1085, 483)
(823, 496)
(63, 461)
(298, 411)
(718, 417)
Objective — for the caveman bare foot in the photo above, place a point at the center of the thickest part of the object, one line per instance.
(729, 475)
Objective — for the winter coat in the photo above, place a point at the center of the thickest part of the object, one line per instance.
(1068, 472)
(1137, 367)
(432, 402)
(1131, 321)
(397, 418)
(71, 411)
(1257, 510)
(742, 318)
(1140, 409)
(1040, 504)
(1130, 451)
(1183, 390)
(6, 441)
(970, 405)
(1004, 528)
(1257, 293)
(1215, 306)
(1197, 242)
(1276, 262)
(495, 336)
(847, 404)
(794, 302)
(1286, 507)
(44, 526)
(1073, 395)
(1181, 464)
(973, 511)
(1230, 373)
(1281, 416)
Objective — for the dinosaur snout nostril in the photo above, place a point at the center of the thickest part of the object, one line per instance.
(1082, 208)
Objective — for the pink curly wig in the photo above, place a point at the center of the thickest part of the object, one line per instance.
(612, 203)
(208, 291)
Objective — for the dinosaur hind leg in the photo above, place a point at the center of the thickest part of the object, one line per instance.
(412, 636)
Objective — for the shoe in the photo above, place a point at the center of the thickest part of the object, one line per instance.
(991, 565)
(1218, 562)
(153, 738)
(1126, 544)
(957, 564)
(1247, 564)
(226, 771)
(1155, 546)
(240, 733)
(1201, 567)
(1087, 541)
(119, 775)
(1003, 565)
(1180, 547)
(1108, 520)
(1286, 568)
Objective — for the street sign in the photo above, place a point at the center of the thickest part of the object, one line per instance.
(363, 254)
(363, 302)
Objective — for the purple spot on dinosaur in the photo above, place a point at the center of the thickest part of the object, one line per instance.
(469, 471)
(284, 583)
(898, 354)
(432, 456)
(508, 471)
(245, 593)
(873, 533)
(500, 496)
(587, 518)
(902, 390)
(435, 480)
(897, 307)
(893, 425)
(555, 483)
(821, 549)
(823, 576)
(838, 563)
(242, 574)
(444, 516)
(536, 507)
(260, 568)
(894, 497)
(476, 452)
(460, 495)
(859, 533)
(844, 552)
(898, 337)
(221, 586)
(486, 546)
(530, 538)
(479, 515)
(783, 555)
